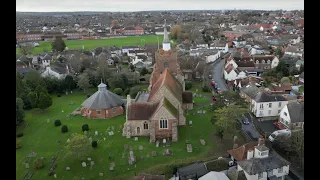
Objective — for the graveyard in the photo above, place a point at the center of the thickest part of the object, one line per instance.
(116, 156)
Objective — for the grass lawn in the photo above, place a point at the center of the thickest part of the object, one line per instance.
(196, 88)
(92, 44)
(42, 137)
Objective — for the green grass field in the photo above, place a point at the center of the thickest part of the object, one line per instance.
(92, 44)
(42, 137)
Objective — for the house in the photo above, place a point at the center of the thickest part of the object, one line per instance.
(301, 78)
(239, 42)
(241, 153)
(57, 70)
(103, 104)
(260, 61)
(261, 164)
(116, 30)
(193, 171)
(129, 31)
(212, 175)
(188, 74)
(110, 62)
(233, 34)
(294, 51)
(158, 112)
(292, 116)
(214, 56)
(281, 89)
(231, 73)
(126, 49)
(265, 105)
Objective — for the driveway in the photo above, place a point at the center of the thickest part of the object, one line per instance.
(217, 74)
(250, 129)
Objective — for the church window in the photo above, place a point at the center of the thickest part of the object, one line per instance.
(163, 123)
(145, 125)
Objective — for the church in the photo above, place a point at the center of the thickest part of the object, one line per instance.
(158, 112)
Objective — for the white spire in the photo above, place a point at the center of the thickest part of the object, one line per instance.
(166, 43)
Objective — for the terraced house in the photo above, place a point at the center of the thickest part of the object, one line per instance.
(158, 112)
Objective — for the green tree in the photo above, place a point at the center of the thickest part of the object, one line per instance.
(83, 82)
(78, 146)
(22, 91)
(118, 91)
(69, 83)
(58, 45)
(285, 81)
(131, 66)
(282, 68)
(19, 110)
(134, 91)
(118, 81)
(301, 69)
(45, 101)
(40, 90)
(33, 99)
(26, 49)
(52, 84)
(144, 71)
(227, 119)
(33, 79)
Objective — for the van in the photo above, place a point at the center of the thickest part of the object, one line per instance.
(274, 135)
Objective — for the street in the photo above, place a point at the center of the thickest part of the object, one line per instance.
(217, 74)
(250, 129)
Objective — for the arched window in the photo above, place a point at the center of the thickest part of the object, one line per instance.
(163, 124)
(138, 130)
(145, 125)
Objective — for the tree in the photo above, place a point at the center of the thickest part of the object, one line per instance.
(33, 79)
(227, 119)
(175, 31)
(52, 84)
(293, 71)
(134, 91)
(301, 69)
(40, 90)
(45, 101)
(282, 68)
(279, 52)
(285, 81)
(19, 110)
(115, 23)
(131, 67)
(144, 71)
(118, 81)
(33, 99)
(78, 146)
(118, 91)
(26, 49)
(58, 45)
(83, 82)
(69, 83)
(226, 98)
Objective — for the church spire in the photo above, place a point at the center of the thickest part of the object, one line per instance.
(166, 42)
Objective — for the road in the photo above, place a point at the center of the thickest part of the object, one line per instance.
(217, 74)
(250, 129)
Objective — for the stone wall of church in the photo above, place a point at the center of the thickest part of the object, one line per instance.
(133, 128)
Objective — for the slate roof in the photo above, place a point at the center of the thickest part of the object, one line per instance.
(102, 99)
(240, 153)
(196, 168)
(187, 97)
(265, 97)
(60, 68)
(296, 112)
(47, 57)
(258, 165)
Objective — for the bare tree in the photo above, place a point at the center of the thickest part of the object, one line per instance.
(26, 49)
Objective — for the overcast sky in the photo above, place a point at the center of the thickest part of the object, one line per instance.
(146, 5)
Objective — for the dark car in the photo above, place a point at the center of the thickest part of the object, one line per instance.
(245, 120)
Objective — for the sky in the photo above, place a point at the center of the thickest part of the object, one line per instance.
(148, 5)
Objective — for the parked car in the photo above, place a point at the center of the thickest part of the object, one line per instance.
(245, 120)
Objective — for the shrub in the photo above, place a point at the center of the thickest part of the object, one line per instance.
(134, 91)
(88, 95)
(57, 122)
(94, 144)
(64, 129)
(58, 95)
(85, 127)
(51, 173)
(205, 89)
(18, 144)
(20, 135)
(39, 163)
(118, 91)
(126, 91)
(188, 85)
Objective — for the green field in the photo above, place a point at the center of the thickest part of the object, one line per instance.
(92, 44)
(42, 137)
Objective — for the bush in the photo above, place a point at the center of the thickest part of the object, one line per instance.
(118, 91)
(205, 89)
(126, 91)
(85, 127)
(18, 144)
(39, 163)
(57, 122)
(58, 95)
(134, 91)
(88, 95)
(20, 135)
(64, 129)
(51, 173)
(94, 144)
(188, 85)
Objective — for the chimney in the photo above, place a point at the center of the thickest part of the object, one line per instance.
(261, 141)
(250, 154)
(128, 100)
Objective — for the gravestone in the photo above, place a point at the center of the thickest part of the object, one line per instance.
(204, 111)
(128, 136)
(190, 123)
(100, 174)
(112, 164)
(85, 132)
(62, 111)
(130, 162)
(89, 159)
(189, 148)
(157, 143)
(84, 164)
(104, 139)
(68, 168)
(130, 148)
(135, 138)
(123, 155)
(164, 141)
(140, 147)
(27, 165)
(111, 133)
(96, 133)
(167, 152)
(48, 120)
(90, 140)
(154, 153)
(91, 164)
(168, 144)
(125, 147)
(203, 142)
(55, 176)
(112, 127)
(68, 140)
(131, 153)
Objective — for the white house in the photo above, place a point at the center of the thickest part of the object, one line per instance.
(126, 49)
(212, 175)
(231, 71)
(239, 42)
(292, 115)
(267, 105)
(294, 51)
(261, 165)
(213, 57)
(60, 74)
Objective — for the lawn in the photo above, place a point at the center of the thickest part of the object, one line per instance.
(42, 137)
(92, 44)
(196, 88)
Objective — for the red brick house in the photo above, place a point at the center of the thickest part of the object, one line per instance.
(139, 30)
(131, 30)
(102, 105)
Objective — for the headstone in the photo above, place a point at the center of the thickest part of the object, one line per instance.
(111, 168)
(135, 138)
(196, 90)
(27, 165)
(123, 155)
(91, 164)
(128, 136)
(55, 176)
(131, 153)
(48, 120)
(100, 174)
(90, 140)
(85, 132)
(167, 152)
(89, 159)
(204, 111)
(125, 147)
(62, 111)
(140, 147)
(157, 143)
(189, 148)
(112, 164)
(68, 140)
(190, 123)
(71, 92)
(203, 142)
(84, 164)
(130, 148)
(168, 144)
(96, 133)
(104, 139)
(68, 168)
(112, 127)
(164, 141)
(111, 133)
(154, 153)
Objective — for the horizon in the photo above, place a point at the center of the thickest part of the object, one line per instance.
(145, 5)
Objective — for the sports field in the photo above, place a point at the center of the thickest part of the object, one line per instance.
(92, 44)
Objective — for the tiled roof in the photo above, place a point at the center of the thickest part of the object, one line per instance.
(240, 153)
(141, 110)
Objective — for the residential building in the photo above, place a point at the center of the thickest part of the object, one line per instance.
(294, 51)
(193, 171)
(266, 105)
(59, 70)
(212, 175)
(292, 116)
(263, 165)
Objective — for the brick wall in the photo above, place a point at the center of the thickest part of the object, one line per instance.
(104, 114)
